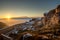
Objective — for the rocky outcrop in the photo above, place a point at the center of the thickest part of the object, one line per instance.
(51, 23)
(52, 17)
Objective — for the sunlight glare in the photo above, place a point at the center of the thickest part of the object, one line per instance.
(8, 18)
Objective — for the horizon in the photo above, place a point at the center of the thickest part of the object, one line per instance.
(19, 17)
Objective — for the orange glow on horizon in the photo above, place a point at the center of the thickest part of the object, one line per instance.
(7, 18)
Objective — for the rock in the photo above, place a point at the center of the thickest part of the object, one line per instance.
(51, 22)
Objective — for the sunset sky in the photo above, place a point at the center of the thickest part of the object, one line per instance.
(30, 8)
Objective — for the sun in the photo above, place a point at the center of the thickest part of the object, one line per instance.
(8, 17)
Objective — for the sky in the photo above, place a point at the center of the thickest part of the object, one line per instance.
(29, 8)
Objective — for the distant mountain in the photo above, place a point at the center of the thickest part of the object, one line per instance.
(2, 25)
(24, 17)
